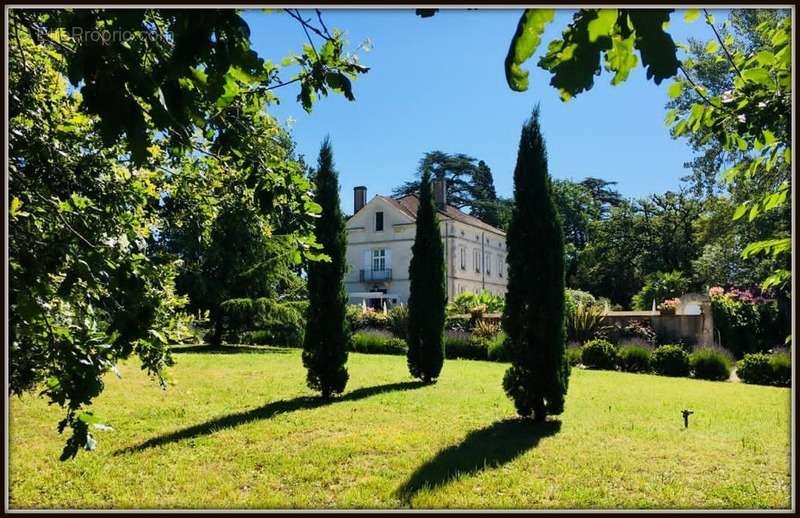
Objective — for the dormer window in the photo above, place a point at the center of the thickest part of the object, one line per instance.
(379, 221)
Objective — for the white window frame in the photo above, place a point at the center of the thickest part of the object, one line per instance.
(476, 260)
(463, 257)
(488, 262)
(379, 259)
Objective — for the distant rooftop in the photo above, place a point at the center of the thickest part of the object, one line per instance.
(409, 205)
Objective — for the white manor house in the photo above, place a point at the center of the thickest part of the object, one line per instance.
(379, 239)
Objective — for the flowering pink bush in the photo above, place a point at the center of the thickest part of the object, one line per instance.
(669, 306)
(737, 294)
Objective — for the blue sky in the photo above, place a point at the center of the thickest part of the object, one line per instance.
(438, 83)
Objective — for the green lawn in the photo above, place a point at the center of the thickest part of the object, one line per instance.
(243, 431)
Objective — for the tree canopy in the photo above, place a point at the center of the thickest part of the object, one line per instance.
(155, 181)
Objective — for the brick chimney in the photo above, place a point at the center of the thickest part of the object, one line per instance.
(359, 198)
(440, 193)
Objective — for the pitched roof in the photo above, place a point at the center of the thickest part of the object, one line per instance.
(409, 205)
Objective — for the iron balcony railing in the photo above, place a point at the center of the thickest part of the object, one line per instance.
(375, 275)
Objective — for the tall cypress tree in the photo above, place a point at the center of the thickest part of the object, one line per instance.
(428, 297)
(485, 203)
(327, 332)
(534, 313)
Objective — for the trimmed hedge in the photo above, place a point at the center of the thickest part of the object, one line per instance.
(599, 354)
(377, 343)
(671, 360)
(765, 369)
(464, 346)
(710, 364)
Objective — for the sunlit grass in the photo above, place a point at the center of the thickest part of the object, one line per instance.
(243, 431)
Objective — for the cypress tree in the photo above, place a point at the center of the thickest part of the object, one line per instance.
(484, 207)
(428, 297)
(327, 332)
(533, 317)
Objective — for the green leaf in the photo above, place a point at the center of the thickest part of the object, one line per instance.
(671, 116)
(773, 247)
(765, 58)
(769, 137)
(603, 25)
(14, 207)
(691, 15)
(712, 47)
(523, 45)
(340, 82)
(656, 47)
(757, 75)
(675, 89)
(754, 212)
(778, 279)
(740, 210)
(229, 92)
(620, 58)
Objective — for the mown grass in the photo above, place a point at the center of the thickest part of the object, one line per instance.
(243, 431)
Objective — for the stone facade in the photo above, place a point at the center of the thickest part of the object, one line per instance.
(380, 235)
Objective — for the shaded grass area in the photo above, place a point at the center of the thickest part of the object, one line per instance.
(243, 431)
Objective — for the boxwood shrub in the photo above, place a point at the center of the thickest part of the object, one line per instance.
(599, 354)
(671, 360)
(765, 369)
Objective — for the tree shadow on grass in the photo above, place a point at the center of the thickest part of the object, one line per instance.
(231, 349)
(265, 412)
(486, 448)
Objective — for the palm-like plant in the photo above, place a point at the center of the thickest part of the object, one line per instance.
(583, 322)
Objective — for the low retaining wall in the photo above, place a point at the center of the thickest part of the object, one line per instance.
(695, 329)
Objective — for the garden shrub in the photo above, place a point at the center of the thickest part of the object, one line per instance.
(572, 298)
(599, 354)
(660, 286)
(574, 355)
(463, 303)
(397, 320)
(747, 323)
(583, 322)
(634, 358)
(464, 346)
(671, 360)
(755, 368)
(781, 369)
(632, 330)
(710, 364)
(377, 343)
(265, 320)
(496, 348)
(457, 323)
(765, 369)
(358, 318)
(485, 330)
